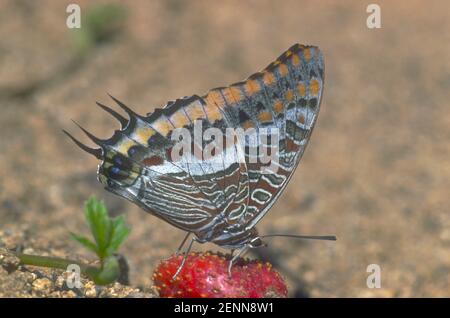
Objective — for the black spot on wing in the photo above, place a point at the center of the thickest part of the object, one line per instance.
(260, 107)
(312, 103)
(243, 117)
(302, 102)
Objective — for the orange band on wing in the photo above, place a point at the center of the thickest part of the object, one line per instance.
(195, 111)
(295, 60)
(314, 87)
(301, 89)
(232, 94)
(278, 106)
(162, 126)
(307, 54)
(179, 119)
(143, 134)
(251, 87)
(264, 116)
(283, 70)
(215, 97)
(268, 78)
(212, 112)
(289, 95)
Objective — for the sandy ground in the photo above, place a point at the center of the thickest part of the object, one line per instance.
(376, 172)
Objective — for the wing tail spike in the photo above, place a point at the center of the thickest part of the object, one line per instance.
(123, 121)
(128, 110)
(96, 140)
(95, 152)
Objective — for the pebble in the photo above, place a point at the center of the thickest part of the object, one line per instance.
(42, 284)
(68, 294)
(90, 290)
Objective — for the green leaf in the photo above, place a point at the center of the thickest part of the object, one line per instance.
(85, 242)
(108, 233)
(99, 224)
(118, 234)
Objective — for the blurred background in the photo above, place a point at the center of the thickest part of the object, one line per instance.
(376, 173)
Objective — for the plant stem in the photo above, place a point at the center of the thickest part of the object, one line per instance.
(53, 262)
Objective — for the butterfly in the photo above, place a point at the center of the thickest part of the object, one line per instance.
(221, 197)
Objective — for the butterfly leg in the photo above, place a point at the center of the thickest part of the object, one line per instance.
(182, 243)
(184, 257)
(241, 251)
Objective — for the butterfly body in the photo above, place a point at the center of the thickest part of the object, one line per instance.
(219, 198)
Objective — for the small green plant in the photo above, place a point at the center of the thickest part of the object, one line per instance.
(108, 234)
(99, 24)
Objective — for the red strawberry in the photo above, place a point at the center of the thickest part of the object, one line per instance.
(206, 275)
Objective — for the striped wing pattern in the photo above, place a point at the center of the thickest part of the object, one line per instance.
(220, 199)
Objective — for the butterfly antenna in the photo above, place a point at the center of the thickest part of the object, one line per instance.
(303, 237)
